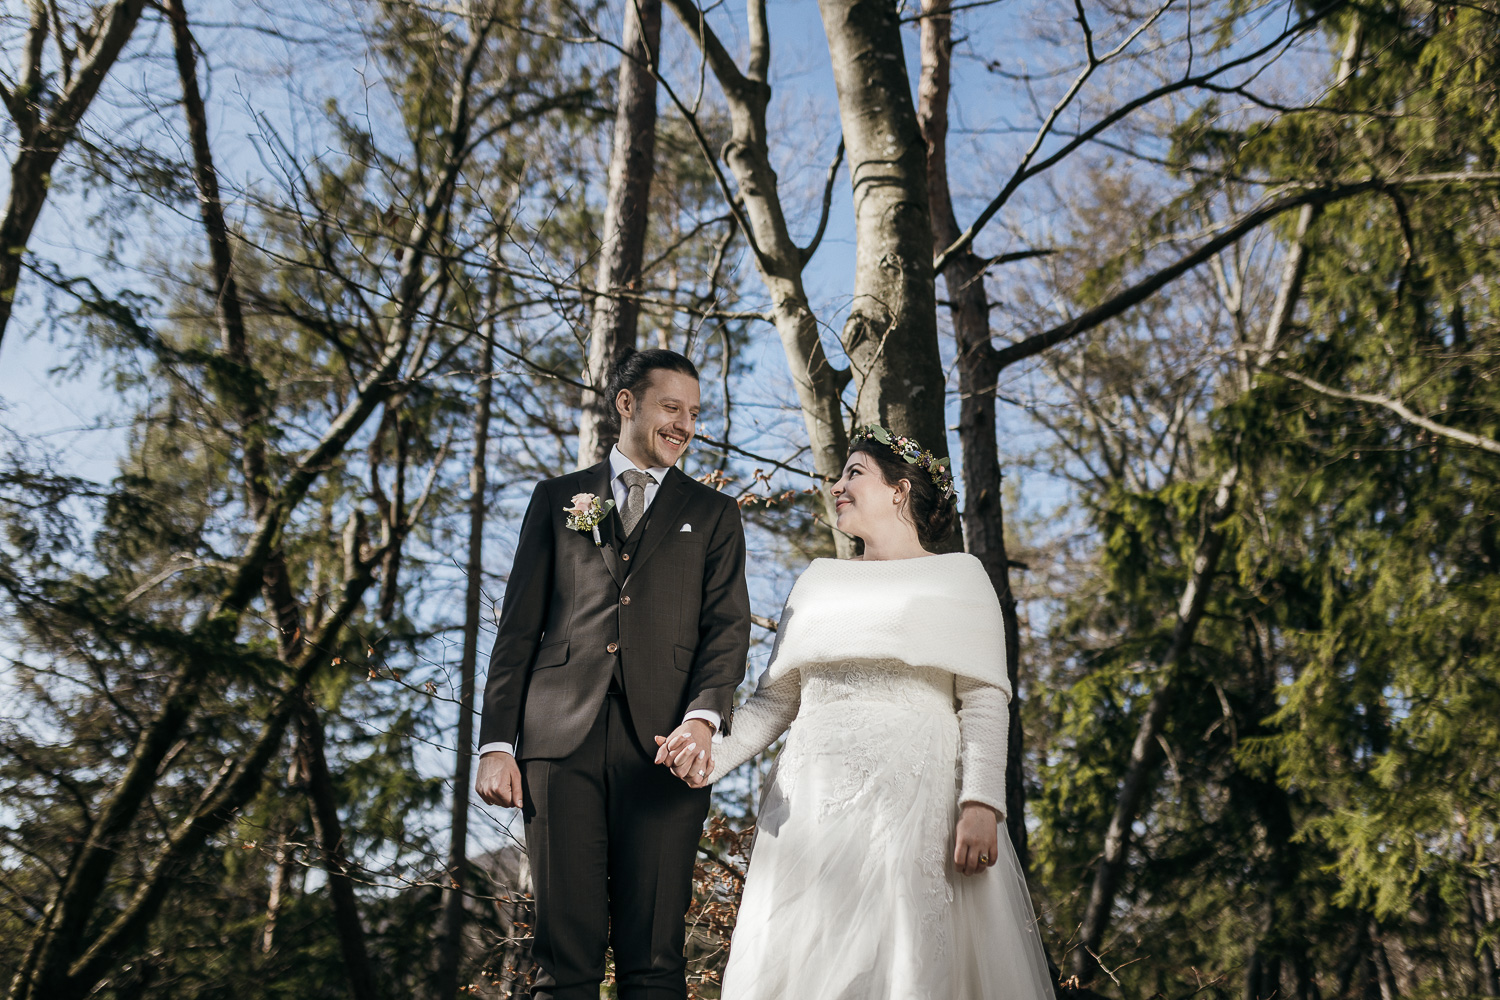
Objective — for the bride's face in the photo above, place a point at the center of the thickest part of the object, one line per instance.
(866, 506)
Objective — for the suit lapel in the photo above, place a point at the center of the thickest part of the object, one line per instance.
(596, 481)
(670, 497)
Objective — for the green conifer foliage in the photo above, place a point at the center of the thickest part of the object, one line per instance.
(1324, 821)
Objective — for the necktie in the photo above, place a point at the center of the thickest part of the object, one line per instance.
(635, 500)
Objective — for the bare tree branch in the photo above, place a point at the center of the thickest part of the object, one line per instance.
(1146, 287)
(1400, 409)
(1026, 169)
(833, 173)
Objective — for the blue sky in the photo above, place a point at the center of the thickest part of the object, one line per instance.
(78, 417)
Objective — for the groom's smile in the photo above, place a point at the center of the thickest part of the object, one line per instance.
(657, 424)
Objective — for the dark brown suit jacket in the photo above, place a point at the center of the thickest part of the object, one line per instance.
(677, 617)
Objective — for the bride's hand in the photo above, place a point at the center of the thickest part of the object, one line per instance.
(978, 841)
(687, 752)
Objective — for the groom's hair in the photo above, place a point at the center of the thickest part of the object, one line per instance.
(633, 372)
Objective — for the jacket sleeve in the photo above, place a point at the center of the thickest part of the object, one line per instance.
(723, 621)
(523, 615)
(764, 716)
(984, 734)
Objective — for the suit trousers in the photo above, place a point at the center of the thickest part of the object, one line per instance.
(612, 838)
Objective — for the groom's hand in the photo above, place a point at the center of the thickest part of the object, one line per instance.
(499, 780)
(688, 751)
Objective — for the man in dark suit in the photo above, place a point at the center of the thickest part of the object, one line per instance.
(609, 636)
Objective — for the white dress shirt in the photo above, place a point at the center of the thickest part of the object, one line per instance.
(619, 464)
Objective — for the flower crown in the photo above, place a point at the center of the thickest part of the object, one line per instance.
(913, 454)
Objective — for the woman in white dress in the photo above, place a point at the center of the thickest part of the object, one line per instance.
(881, 866)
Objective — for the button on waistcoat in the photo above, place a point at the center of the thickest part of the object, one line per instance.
(627, 547)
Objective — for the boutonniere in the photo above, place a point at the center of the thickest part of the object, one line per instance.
(586, 512)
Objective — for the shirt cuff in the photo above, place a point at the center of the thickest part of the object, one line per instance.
(502, 747)
(709, 716)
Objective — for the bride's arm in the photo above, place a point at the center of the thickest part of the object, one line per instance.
(764, 716)
(984, 732)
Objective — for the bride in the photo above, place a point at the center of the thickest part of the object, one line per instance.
(881, 868)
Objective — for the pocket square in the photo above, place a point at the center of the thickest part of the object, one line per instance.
(686, 527)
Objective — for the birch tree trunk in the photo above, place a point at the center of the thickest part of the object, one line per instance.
(631, 166)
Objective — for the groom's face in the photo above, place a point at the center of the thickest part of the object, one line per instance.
(657, 423)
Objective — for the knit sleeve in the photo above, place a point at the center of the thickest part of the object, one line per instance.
(765, 715)
(984, 731)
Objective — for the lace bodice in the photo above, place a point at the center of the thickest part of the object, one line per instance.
(859, 685)
(857, 696)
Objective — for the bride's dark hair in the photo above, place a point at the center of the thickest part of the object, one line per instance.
(933, 513)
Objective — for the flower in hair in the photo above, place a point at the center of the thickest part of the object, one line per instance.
(914, 454)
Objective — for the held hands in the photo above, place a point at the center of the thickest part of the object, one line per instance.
(499, 779)
(688, 752)
(978, 838)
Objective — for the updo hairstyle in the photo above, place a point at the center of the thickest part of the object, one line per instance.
(933, 513)
(633, 372)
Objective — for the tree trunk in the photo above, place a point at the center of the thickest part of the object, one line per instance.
(45, 123)
(394, 511)
(450, 936)
(891, 336)
(313, 762)
(281, 878)
(891, 333)
(244, 398)
(1385, 974)
(969, 309)
(1486, 970)
(29, 182)
(1144, 753)
(626, 213)
(778, 259)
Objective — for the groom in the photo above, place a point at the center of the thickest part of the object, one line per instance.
(610, 634)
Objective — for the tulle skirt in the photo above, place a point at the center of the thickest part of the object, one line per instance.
(852, 893)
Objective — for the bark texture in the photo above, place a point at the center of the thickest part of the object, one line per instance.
(891, 333)
(632, 165)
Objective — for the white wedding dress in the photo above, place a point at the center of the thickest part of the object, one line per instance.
(889, 679)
